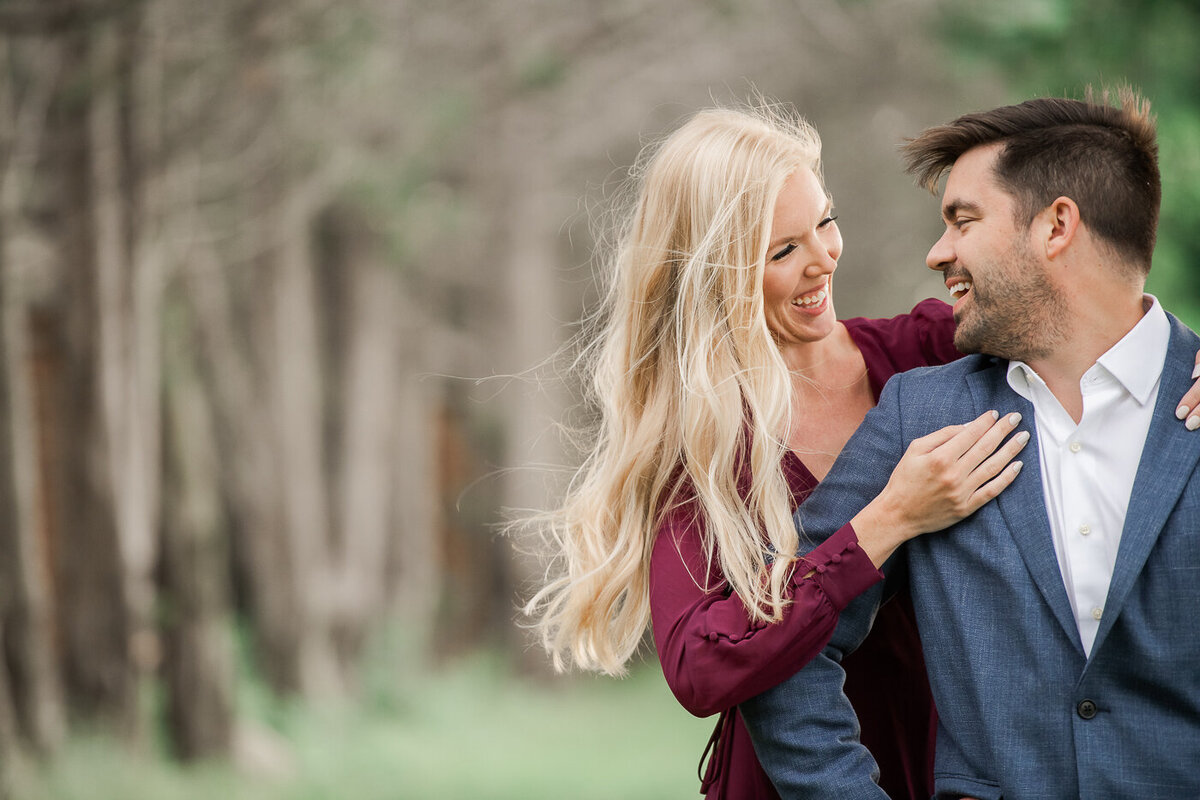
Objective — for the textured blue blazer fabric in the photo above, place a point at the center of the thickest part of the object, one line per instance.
(1024, 714)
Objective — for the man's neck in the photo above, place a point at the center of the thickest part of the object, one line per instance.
(1091, 336)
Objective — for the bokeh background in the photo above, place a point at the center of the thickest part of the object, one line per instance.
(284, 294)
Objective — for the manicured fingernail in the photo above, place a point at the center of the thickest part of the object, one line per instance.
(1192, 423)
(1016, 466)
(1014, 418)
(995, 414)
(1022, 437)
(1181, 412)
(1196, 372)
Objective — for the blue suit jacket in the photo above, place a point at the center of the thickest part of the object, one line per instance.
(1023, 713)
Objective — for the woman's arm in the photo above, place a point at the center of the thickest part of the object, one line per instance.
(712, 656)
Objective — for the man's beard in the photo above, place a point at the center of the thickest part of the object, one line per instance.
(1017, 314)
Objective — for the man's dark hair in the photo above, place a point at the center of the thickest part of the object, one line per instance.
(1104, 157)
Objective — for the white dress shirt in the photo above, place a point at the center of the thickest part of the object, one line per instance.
(1088, 469)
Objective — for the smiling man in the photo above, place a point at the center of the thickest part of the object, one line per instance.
(1001, 275)
(1056, 622)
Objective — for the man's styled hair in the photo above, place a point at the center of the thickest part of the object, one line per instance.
(1104, 157)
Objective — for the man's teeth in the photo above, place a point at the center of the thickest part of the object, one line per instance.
(960, 288)
(811, 300)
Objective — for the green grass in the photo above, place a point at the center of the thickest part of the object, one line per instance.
(472, 731)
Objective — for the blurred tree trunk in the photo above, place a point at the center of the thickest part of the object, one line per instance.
(110, 205)
(12, 536)
(331, 392)
(360, 297)
(415, 574)
(294, 391)
(247, 479)
(197, 626)
(94, 614)
(30, 689)
(531, 292)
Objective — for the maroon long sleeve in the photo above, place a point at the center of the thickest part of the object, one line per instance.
(713, 657)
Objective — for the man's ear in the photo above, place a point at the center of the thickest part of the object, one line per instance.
(1060, 223)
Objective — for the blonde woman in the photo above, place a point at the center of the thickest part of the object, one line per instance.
(725, 387)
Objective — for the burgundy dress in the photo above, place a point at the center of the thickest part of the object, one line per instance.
(713, 657)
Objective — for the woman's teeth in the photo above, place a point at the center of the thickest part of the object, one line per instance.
(811, 299)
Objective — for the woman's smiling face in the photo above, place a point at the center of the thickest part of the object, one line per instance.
(804, 247)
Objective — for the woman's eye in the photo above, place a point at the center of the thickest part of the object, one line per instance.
(783, 253)
(825, 223)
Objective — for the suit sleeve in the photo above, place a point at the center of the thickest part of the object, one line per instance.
(804, 730)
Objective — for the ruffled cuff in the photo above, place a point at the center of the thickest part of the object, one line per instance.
(840, 567)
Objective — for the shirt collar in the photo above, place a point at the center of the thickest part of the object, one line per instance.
(1135, 361)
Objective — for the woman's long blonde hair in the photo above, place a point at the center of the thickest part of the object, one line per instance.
(689, 386)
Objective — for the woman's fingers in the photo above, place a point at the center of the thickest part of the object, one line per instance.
(953, 441)
(968, 467)
(998, 460)
(932, 441)
(970, 443)
(986, 444)
(997, 471)
(1187, 409)
(992, 489)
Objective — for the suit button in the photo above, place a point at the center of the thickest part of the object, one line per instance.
(1086, 709)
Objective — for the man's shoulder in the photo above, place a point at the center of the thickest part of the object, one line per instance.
(949, 394)
(1180, 330)
(956, 373)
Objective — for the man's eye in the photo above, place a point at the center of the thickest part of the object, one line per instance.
(783, 253)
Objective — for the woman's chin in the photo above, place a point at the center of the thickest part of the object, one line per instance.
(807, 330)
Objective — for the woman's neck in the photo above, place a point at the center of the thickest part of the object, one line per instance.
(821, 358)
(830, 396)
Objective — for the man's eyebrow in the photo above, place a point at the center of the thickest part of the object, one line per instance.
(951, 209)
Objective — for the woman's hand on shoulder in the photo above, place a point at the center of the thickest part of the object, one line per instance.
(1187, 410)
(943, 477)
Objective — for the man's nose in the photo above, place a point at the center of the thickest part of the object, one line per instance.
(940, 256)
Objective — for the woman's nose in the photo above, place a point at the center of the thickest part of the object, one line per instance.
(824, 261)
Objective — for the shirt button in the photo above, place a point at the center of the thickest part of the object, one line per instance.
(1085, 529)
(1076, 447)
(1086, 709)
(1097, 612)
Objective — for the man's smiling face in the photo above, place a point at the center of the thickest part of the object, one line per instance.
(1005, 303)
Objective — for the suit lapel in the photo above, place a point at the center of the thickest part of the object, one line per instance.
(1168, 459)
(1023, 505)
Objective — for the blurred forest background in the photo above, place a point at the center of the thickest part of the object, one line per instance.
(281, 287)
